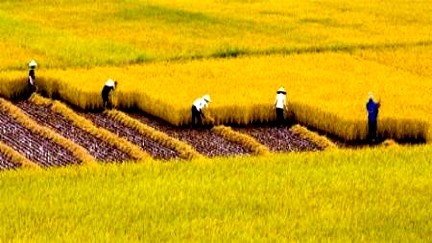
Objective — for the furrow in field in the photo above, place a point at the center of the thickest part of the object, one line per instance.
(155, 149)
(6, 163)
(36, 148)
(203, 140)
(98, 148)
(280, 139)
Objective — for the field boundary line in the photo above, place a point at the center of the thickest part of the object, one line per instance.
(121, 143)
(242, 139)
(184, 150)
(17, 158)
(389, 143)
(322, 141)
(19, 115)
(235, 52)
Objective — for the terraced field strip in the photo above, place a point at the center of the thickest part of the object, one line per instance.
(203, 140)
(6, 164)
(155, 149)
(280, 139)
(11, 159)
(96, 148)
(183, 149)
(133, 151)
(242, 139)
(321, 141)
(35, 142)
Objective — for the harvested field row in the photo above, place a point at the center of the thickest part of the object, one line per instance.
(206, 142)
(99, 149)
(36, 148)
(203, 140)
(6, 164)
(156, 150)
(279, 139)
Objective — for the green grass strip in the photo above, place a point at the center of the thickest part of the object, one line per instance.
(368, 195)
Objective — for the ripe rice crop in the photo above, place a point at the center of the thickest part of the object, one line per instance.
(83, 33)
(376, 195)
(327, 91)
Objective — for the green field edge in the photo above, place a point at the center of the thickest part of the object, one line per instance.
(238, 51)
(233, 52)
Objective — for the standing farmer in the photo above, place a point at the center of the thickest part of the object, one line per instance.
(372, 108)
(280, 104)
(109, 86)
(197, 109)
(31, 85)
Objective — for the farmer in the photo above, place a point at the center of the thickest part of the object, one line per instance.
(372, 108)
(197, 109)
(109, 86)
(280, 104)
(32, 77)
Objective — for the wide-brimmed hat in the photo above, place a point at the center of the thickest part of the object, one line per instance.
(281, 90)
(32, 63)
(207, 98)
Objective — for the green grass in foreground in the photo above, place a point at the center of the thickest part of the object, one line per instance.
(371, 195)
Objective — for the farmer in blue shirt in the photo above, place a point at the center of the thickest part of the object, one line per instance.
(372, 108)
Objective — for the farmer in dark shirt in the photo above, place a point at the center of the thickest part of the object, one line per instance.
(372, 108)
(197, 110)
(32, 77)
(109, 86)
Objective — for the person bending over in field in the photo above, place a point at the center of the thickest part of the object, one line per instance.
(109, 86)
(372, 108)
(280, 104)
(31, 84)
(197, 109)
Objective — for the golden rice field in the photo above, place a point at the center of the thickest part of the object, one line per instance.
(58, 32)
(378, 195)
(327, 90)
(328, 54)
(345, 49)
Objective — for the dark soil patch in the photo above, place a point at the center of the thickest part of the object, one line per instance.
(155, 149)
(203, 140)
(279, 139)
(98, 148)
(6, 164)
(36, 148)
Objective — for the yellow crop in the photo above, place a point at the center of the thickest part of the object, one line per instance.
(346, 49)
(326, 90)
(88, 33)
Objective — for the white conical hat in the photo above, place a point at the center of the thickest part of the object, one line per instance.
(110, 83)
(281, 89)
(370, 95)
(206, 98)
(32, 63)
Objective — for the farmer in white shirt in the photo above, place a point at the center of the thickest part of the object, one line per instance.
(197, 109)
(280, 104)
(109, 86)
(32, 77)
